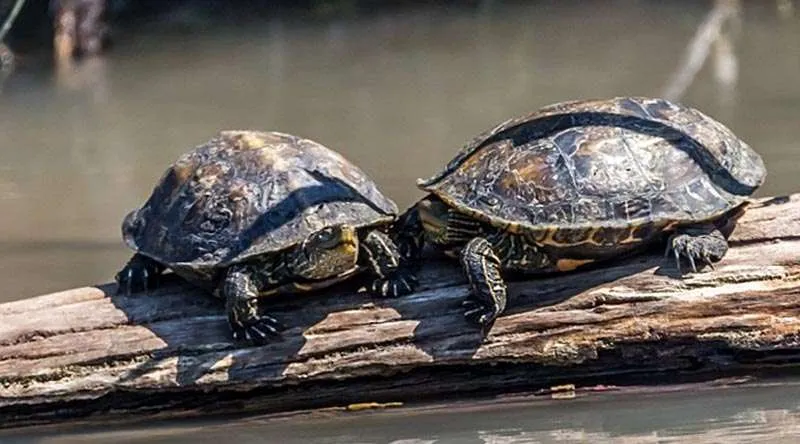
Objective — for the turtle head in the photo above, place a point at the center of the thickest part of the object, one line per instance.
(434, 214)
(326, 253)
(131, 228)
(445, 225)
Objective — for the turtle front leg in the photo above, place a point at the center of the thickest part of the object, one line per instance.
(240, 290)
(699, 243)
(488, 297)
(409, 235)
(383, 259)
(140, 274)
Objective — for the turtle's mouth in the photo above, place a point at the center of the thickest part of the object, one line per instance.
(348, 241)
(433, 214)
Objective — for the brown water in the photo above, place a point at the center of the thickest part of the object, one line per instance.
(396, 92)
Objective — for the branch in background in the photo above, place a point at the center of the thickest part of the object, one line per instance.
(710, 32)
(785, 9)
(6, 55)
(10, 19)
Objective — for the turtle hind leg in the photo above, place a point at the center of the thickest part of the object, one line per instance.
(488, 296)
(140, 274)
(385, 262)
(240, 290)
(697, 244)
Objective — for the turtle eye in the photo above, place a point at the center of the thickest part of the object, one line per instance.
(325, 235)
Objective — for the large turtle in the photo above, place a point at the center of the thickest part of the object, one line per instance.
(579, 182)
(249, 214)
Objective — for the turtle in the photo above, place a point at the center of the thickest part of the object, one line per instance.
(250, 214)
(580, 182)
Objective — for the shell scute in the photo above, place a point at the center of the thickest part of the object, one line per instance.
(613, 163)
(245, 193)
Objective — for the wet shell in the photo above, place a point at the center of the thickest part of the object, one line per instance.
(246, 193)
(621, 163)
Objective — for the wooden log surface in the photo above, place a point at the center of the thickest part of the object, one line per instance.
(87, 352)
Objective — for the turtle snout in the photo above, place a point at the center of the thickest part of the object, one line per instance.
(132, 224)
(346, 238)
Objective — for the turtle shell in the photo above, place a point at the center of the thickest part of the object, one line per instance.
(619, 162)
(246, 193)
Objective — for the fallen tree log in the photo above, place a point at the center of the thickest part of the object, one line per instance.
(85, 352)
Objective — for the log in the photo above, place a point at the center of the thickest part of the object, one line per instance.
(88, 353)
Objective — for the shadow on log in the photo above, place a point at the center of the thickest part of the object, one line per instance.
(83, 352)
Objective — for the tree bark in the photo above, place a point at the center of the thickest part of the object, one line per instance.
(87, 352)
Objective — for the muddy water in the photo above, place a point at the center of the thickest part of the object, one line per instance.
(396, 92)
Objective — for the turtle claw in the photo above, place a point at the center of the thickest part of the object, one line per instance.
(397, 284)
(677, 259)
(691, 262)
(259, 331)
(480, 313)
(146, 281)
(698, 244)
(129, 282)
(471, 309)
(139, 274)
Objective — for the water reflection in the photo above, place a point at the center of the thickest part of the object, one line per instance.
(86, 77)
(743, 415)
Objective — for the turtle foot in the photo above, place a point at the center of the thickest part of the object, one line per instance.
(260, 330)
(398, 283)
(697, 245)
(139, 274)
(480, 313)
(488, 296)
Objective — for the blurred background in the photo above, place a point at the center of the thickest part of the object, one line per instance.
(396, 86)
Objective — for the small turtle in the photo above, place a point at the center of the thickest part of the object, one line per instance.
(250, 214)
(579, 182)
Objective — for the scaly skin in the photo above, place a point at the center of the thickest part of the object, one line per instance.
(488, 298)
(485, 252)
(581, 182)
(320, 260)
(384, 262)
(697, 243)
